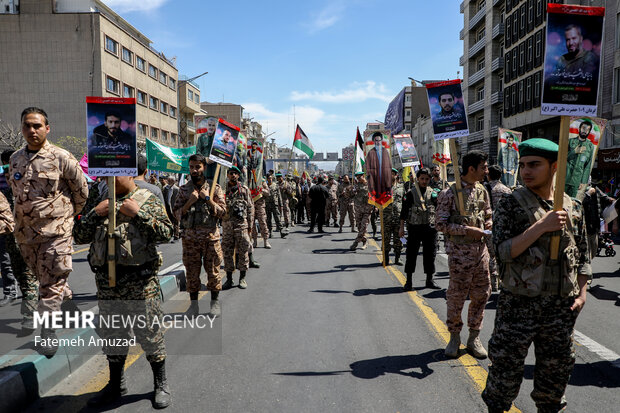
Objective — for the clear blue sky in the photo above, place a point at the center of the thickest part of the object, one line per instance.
(335, 63)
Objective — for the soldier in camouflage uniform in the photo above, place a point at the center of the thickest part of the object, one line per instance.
(345, 202)
(436, 181)
(141, 216)
(468, 256)
(292, 199)
(419, 214)
(285, 194)
(198, 214)
(362, 210)
(496, 190)
(331, 209)
(273, 206)
(261, 217)
(391, 221)
(235, 228)
(50, 189)
(540, 298)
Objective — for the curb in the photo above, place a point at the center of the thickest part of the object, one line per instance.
(25, 378)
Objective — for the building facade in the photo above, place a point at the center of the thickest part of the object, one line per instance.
(230, 112)
(77, 49)
(189, 106)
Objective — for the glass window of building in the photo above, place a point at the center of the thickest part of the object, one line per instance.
(141, 98)
(152, 71)
(111, 45)
(140, 64)
(127, 56)
(128, 91)
(112, 85)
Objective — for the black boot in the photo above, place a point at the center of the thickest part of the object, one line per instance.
(229, 281)
(408, 284)
(193, 309)
(430, 283)
(116, 387)
(49, 343)
(162, 391)
(242, 282)
(340, 230)
(253, 264)
(397, 260)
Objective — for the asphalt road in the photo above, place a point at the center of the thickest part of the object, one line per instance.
(323, 329)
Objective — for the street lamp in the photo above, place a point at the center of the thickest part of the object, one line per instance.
(179, 83)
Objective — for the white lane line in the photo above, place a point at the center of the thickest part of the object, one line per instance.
(170, 268)
(598, 349)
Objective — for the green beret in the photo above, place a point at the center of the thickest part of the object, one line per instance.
(234, 169)
(359, 173)
(395, 170)
(539, 147)
(278, 174)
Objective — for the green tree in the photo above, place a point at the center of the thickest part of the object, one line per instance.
(75, 145)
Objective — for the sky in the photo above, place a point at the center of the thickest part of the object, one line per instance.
(328, 65)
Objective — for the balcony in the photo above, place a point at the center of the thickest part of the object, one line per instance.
(462, 33)
(475, 107)
(498, 30)
(462, 7)
(478, 17)
(462, 60)
(497, 64)
(497, 2)
(494, 130)
(497, 97)
(476, 77)
(476, 48)
(476, 136)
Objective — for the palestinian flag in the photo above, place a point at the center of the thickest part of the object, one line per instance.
(302, 143)
(360, 158)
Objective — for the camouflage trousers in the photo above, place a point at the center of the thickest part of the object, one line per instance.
(9, 283)
(28, 283)
(261, 215)
(235, 239)
(201, 248)
(390, 233)
(50, 262)
(469, 275)
(292, 206)
(273, 213)
(286, 213)
(373, 220)
(492, 261)
(137, 294)
(331, 210)
(546, 321)
(344, 209)
(362, 216)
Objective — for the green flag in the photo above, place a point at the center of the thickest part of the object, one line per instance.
(166, 159)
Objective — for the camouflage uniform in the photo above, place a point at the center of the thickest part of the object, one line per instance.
(292, 201)
(345, 204)
(468, 259)
(137, 290)
(273, 206)
(391, 221)
(498, 189)
(261, 215)
(200, 236)
(331, 208)
(436, 184)
(285, 194)
(362, 210)
(235, 224)
(535, 308)
(49, 188)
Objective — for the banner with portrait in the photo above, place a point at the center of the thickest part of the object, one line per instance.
(255, 166)
(379, 170)
(447, 109)
(111, 131)
(508, 155)
(224, 143)
(166, 159)
(572, 60)
(406, 150)
(583, 140)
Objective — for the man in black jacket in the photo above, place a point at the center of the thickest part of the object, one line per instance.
(318, 199)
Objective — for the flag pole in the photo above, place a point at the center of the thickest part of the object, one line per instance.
(560, 180)
(111, 228)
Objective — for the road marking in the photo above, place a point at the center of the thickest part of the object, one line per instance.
(598, 349)
(475, 371)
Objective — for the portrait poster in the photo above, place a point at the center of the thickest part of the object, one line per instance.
(447, 109)
(583, 140)
(441, 153)
(406, 150)
(379, 170)
(224, 143)
(508, 155)
(111, 131)
(572, 60)
(166, 159)
(255, 166)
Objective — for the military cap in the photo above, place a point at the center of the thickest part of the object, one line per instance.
(234, 169)
(359, 173)
(539, 147)
(278, 174)
(395, 170)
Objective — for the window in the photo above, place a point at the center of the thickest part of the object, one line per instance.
(508, 67)
(537, 88)
(539, 11)
(522, 16)
(153, 103)
(480, 34)
(424, 137)
(141, 130)
(616, 94)
(112, 85)
(521, 97)
(479, 93)
(173, 138)
(127, 56)
(141, 98)
(521, 58)
(163, 78)
(128, 91)
(479, 123)
(197, 98)
(164, 135)
(530, 15)
(617, 31)
(528, 93)
(190, 95)
(529, 58)
(407, 127)
(152, 71)
(508, 32)
(502, 15)
(173, 84)
(173, 111)
(407, 113)
(480, 63)
(407, 98)
(507, 107)
(538, 48)
(515, 60)
(163, 108)
(154, 133)
(140, 64)
(111, 45)
(515, 26)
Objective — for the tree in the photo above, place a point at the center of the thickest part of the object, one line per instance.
(11, 136)
(75, 145)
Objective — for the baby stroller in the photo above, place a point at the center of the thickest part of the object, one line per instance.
(605, 242)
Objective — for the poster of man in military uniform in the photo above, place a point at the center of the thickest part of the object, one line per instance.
(508, 155)
(583, 139)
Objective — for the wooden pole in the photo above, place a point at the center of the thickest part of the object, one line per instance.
(560, 180)
(111, 229)
(215, 177)
(417, 188)
(457, 177)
